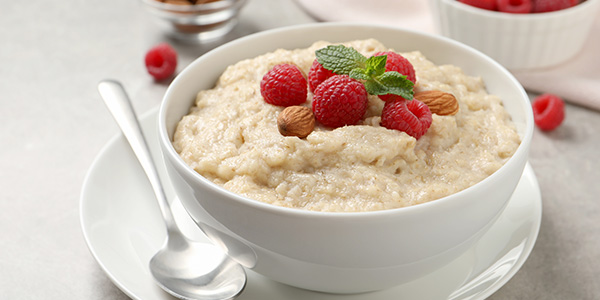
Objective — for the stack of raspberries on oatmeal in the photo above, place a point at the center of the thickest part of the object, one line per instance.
(347, 127)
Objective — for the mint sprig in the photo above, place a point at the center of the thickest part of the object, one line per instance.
(340, 59)
(344, 60)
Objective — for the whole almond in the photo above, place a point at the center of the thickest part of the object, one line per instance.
(296, 121)
(439, 102)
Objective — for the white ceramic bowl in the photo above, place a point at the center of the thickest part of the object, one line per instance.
(343, 252)
(519, 41)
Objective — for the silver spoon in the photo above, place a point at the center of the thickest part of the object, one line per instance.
(183, 268)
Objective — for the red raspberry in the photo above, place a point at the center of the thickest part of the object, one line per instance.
(485, 4)
(317, 74)
(548, 111)
(284, 85)
(515, 6)
(340, 100)
(540, 6)
(412, 117)
(397, 62)
(161, 61)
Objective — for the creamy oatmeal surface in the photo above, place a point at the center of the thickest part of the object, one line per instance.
(231, 138)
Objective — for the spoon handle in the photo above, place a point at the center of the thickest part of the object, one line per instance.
(119, 105)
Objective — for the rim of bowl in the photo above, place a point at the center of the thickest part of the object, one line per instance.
(211, 6)
(530, 16)
(167, 145)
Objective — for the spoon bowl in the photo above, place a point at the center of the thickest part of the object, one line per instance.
(184, 268)
(205, 280)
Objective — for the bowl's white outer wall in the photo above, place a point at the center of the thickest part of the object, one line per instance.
(519, 41)
(343, 252)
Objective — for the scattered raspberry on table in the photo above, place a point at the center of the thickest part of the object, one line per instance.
(161, 61)
(548, 111)
(284, 85)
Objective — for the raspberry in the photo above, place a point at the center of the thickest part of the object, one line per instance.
(317, 74)
(396, 62)
(485, 4)
(284, 85)
(161, 61)
(540, 6)
(515, 6)
(548, 111)
(340, 100)
(412, 117)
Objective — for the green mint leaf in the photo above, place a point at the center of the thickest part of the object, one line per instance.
(391, 83)
(359, 74)
(375, 88)
(375, 65)
(340, 59)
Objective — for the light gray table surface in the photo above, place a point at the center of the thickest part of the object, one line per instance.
(53, 124)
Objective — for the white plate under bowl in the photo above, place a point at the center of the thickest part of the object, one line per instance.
(123, 228)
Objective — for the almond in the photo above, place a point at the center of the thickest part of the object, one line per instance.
(296, 121)
(439, 102)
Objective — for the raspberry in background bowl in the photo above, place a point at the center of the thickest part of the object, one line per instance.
(518, 41)
(335, 251)
(189, 22)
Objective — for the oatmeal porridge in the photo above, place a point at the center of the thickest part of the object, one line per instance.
(230, 136)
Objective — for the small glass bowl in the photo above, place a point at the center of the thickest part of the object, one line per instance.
(196, 22)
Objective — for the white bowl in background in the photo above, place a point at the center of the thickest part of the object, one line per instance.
(518, 41)
(343, 252)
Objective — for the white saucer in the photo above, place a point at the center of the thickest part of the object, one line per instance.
(123, 228)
